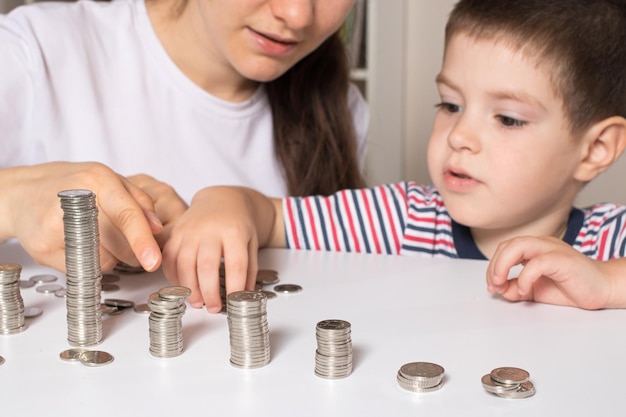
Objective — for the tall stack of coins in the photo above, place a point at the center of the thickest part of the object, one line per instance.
(11, 302)
(249, 331)
(333, 357)
(166, 324)
(509, 382)
(82, 261)
(420, 376)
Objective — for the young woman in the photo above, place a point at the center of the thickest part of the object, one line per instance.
(192, 92)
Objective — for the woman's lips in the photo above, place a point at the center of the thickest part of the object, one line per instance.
(271, 44)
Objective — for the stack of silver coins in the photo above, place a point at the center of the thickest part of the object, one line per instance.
(333, 356)
(82, 261)
(420, 376)
(249, 331)
(11, 302)
(166, 325)
(509, 382)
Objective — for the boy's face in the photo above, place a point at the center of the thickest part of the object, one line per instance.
(500, 153)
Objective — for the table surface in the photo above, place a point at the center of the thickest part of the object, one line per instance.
(402, 310)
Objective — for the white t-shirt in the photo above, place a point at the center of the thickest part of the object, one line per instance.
(90, 81)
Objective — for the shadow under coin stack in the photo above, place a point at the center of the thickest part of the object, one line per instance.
(249, 331)
(166, 325)
(82, 261)
(11, 302)
(333, 357)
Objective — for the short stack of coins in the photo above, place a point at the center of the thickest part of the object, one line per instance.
(249, 331)
(11, 302)
(333, 356)
(420, 376)
(166, 325)
(509, 382)
(82, 261)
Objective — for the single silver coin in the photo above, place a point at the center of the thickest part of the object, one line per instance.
(174, 292)
(26, 283)
(1, 360)
(421, 369)
(48, 288)
(110, 278)
(61, 293)
(142, 309)
(287, 288)
(95, 358)
(116, 302)
(31, 312)
(269, 294)
(43, 278)
(110, 287)
(71, 355)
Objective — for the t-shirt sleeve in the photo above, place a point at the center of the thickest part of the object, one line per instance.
(603, 233)
(16, 92)
(368, 220)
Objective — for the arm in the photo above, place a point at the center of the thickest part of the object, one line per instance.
(555, 273)
(30, 211)
(222, 222)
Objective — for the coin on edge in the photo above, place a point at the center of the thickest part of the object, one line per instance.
(31, 312)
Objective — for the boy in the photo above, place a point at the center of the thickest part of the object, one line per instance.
(533, 106)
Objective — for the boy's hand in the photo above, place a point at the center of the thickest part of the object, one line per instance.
(553, 272)
(219, 223)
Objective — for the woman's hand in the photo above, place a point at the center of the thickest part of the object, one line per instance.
(30, 211)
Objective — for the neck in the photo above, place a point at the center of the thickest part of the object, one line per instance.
(487, 240)
(184, 37)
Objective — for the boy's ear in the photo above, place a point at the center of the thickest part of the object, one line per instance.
(604, 143)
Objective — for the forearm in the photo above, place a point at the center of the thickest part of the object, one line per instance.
(9, 182)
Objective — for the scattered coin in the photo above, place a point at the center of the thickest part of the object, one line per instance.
(269, 294)
(287, 288)
(116, 302)
(42, 278)
(267, 277)
(110, 287)
(71, 355)
(142, 309)
(1, 360)
(123, 268)
(26, 283)
(110, 278)
(31, 312)
(61, 293)
(95, 358)
(48, 288)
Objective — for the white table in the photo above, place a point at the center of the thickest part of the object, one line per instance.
(401, 310)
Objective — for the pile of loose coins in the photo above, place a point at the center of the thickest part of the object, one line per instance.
(166, 326)
(11, 302)
(509, 382)
(82, 261)
(420, 376)
(249, 331)
(86, 357)
(333, 356)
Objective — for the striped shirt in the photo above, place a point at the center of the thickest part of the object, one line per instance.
(410, 219)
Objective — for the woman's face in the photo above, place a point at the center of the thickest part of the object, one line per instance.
(261, 39)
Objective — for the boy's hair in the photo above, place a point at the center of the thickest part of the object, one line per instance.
(582, 41)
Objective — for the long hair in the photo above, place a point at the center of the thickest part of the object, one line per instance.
(314, 133)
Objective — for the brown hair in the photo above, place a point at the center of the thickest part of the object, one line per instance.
(313, 128)
(583, 40)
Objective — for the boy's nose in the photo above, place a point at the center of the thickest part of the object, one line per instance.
(464, 137)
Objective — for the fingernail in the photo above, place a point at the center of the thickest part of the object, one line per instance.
(214, 309)
(154, 219)
(149, 259)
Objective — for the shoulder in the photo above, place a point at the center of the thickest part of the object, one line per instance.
(600, 215)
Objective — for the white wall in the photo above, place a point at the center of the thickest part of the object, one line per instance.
(424, 50)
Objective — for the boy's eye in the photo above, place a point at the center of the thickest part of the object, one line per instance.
(511, 122)
(449, 107)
